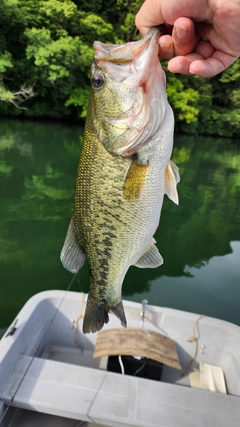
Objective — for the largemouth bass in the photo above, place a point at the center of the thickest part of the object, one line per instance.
(123, 174)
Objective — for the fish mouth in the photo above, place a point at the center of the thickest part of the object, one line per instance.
(127, 53)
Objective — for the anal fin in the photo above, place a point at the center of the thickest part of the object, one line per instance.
(118, 310)
(72, 256)
(151, 257)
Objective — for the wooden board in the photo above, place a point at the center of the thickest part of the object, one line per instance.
(135, 342)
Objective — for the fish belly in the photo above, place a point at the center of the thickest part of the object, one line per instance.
(114, 225)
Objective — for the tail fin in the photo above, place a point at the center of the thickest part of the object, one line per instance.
(97, 314)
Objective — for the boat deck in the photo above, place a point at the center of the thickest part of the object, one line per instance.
(48, 380)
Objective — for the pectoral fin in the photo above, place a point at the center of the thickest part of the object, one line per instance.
(72, 256)
(172, 178)
(151, 257)
(135, 180)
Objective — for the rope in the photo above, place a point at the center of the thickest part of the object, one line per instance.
(75, 323)
(193, 338)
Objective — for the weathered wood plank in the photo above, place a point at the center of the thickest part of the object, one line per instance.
(135, 342)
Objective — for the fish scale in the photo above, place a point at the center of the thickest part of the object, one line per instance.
(123, 173)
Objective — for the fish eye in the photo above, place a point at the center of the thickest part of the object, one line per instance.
(97, 80)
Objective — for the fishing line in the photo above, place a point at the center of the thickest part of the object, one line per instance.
(75, 323)
(9, 405)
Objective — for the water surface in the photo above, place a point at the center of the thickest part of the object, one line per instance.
(199, 240)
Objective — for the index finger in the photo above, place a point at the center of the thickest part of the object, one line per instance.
(148, 16)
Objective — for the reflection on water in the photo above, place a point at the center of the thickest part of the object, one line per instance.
(213, 289)
(199, 240)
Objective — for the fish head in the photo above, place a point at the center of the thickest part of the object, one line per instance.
(128, 96)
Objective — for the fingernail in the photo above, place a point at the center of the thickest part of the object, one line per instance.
(181, 32)
(165, 47)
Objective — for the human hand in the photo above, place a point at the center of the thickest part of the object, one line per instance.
(203, 37)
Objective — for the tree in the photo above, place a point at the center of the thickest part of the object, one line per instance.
(46, 53)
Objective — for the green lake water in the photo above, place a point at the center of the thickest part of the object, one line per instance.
(199, 239)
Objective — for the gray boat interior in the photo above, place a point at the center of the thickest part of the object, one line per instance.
(50, 376)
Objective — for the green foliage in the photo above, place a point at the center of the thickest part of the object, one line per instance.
(184, 100)
(60, 9)
(93, 26)
(56, 58)
(79, 98)
(46, 53)
(50, 52)
(5, 61)
(127, 25)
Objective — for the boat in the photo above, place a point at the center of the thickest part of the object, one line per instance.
(169, 368)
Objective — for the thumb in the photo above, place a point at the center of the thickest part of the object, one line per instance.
(149, 16)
